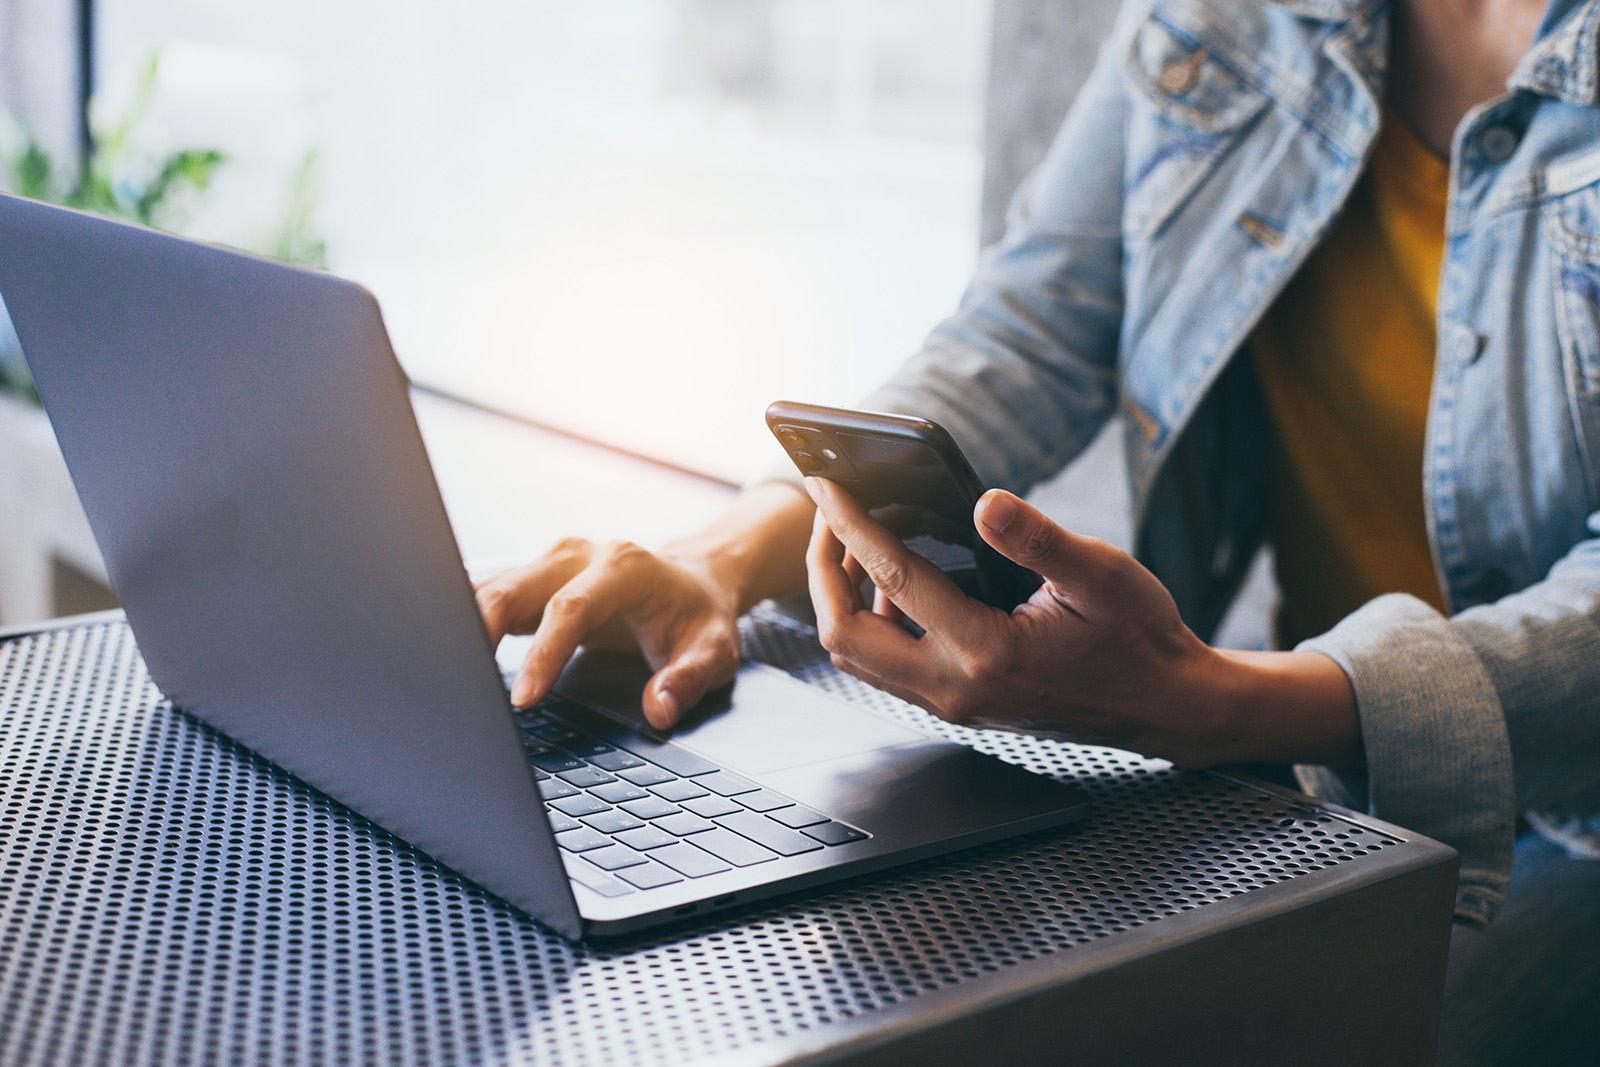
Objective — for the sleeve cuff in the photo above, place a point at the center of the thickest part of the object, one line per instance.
(1438, 760)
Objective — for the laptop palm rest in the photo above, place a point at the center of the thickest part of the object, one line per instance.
(845, 760)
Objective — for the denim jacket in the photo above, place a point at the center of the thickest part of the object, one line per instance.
(1207, 155)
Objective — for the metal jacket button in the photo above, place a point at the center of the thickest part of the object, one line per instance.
(1179, 76)
(1462, 343)
(1497, 143)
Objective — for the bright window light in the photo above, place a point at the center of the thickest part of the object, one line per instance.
(641, 220)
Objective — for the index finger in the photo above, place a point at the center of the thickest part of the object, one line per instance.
(512, 602)
(913, 584)
(614, 581)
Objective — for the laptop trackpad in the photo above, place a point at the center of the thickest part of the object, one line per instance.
(766, 721)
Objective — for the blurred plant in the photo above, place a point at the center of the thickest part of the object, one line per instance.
(114, 183)
(296, 239)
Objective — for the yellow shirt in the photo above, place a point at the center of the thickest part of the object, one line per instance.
(1345, 359)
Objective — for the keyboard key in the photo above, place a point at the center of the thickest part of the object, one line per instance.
(647, 775)
(797, 816)
(587, 747)
(650, 808)
(835, 833)
(686, 859)
(617, 792)
(614, 858)
(760, 800)
(612, 822)
(711, 806)
(560, 822)
(726, 783)
(679, 789)
(554, 761)
(580, 805)
(683, 824)
(584, 777)
(645, 838)
(594, 878)
(780, 839)
(739, 851)
(582, 840)
(555, 789)
(546, 730)
(650, 875)
(677, 760)
(615, 760)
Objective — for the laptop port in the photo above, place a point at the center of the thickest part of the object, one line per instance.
(685, 910)
(723, 901)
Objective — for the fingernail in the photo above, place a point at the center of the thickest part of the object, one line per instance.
(814, 487)
(522, 691)
(997, 510)
(669, 703)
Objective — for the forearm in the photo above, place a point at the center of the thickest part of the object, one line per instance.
(756, 549)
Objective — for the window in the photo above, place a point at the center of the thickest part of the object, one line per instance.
(640, 220)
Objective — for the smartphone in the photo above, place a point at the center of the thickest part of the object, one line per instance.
(910, 476)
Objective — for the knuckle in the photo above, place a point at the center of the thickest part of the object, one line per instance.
(890, 578)
(571, 549)
(830, 636)
(1041, 544)
(570, 603)
(491, 600)
(986, 662)
(624, 552)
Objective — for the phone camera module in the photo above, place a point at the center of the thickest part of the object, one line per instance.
(808, 463)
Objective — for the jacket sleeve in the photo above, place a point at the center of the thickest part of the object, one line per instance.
(1470, 720)
(1024, 373)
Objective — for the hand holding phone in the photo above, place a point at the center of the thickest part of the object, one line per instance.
(910, 476)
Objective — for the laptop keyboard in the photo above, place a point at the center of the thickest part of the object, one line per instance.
(630, 813)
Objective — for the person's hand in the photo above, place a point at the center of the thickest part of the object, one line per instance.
(679, 606)
(617, 596)
(1097, 655)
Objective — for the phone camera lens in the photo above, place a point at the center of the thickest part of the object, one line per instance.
(792, 439)
(808, 463)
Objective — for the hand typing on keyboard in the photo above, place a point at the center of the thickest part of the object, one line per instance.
(679, 606)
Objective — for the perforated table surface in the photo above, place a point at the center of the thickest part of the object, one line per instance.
(167, 897)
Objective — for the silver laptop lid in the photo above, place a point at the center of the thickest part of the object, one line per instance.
(243, 443)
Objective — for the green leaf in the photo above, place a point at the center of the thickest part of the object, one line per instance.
(31, 172)
(192, 168)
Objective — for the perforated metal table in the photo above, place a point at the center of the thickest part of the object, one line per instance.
(168, 897)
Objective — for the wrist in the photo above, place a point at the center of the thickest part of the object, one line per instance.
(1283, 707)
(754, 550)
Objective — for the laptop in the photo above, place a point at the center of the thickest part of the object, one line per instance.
(242, 439)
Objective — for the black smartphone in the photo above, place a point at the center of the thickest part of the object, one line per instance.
(909, 475)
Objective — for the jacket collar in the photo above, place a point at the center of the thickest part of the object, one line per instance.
(1563, 60)
(1329, 10)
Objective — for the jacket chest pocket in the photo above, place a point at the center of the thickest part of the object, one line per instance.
(1571, 223)
(1573, 226)
(1188, 107)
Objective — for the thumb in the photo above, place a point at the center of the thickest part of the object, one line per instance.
(1022, 533)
